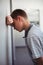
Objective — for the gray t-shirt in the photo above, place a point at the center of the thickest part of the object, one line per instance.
(34, 41)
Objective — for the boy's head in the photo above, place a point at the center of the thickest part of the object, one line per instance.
(19, 19)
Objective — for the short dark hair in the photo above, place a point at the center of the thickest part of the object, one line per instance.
(18, 12)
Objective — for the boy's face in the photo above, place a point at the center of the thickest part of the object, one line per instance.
(18, 23)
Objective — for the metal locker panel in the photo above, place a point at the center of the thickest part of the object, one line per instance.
(5, 34)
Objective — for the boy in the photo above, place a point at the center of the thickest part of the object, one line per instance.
(33, 35)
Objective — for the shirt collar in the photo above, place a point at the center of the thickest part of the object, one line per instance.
(26, 32)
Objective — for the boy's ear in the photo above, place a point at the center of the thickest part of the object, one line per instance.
(18, 18)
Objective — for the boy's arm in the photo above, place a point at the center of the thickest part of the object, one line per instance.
(39, 61)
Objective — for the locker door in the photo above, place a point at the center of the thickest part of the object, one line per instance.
(5, 34)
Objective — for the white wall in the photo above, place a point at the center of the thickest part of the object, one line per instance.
(41, 19)
(5, 34)
(27, 4)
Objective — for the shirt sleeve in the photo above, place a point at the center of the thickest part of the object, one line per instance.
(35, 47)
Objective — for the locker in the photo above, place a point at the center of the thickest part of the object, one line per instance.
(6, 34)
